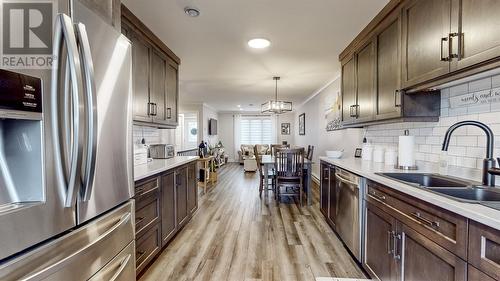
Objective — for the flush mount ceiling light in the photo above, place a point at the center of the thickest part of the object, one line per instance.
(276, 106)
(192, 12)
(259, 43)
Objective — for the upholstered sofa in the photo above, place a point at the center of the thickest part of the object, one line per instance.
(247, 151)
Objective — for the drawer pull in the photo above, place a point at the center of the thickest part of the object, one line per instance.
(378, 197)
(139, 190)
(140, 253)
(390, 243)
(420, 218)
(138, 220)
(395, 239)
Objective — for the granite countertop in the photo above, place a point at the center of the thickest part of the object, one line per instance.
(160, 165)
(473, 211)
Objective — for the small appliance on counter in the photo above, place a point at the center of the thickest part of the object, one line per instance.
(161, 151)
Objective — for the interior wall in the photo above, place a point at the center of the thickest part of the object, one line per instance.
(315, 128)
(226, 134)
(208, 113)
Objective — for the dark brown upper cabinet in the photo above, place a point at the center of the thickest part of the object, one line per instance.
(475, 36)
(156, 79)
(365, 81)
(388, 46)
(349, 101)
(426, 28)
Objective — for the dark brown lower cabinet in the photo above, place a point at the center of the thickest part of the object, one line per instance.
(181, 196)
(324, 187)
(379, 258)
(164, 204)
(422, 259)
(192, 188)
(168, 223)
(484, 249)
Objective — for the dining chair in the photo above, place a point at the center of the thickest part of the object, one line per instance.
(262, 179)
(310, 152)
(274, 147)
(289, 172)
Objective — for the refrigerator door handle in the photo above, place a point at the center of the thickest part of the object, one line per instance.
(67, 163)
(124, 219)
(90, 143)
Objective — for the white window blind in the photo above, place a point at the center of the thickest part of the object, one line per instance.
(257, 130)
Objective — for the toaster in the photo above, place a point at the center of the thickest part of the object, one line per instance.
(161, 151)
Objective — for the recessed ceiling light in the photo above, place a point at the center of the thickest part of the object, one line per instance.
(238, 105)
(259, 43)
(192, 12)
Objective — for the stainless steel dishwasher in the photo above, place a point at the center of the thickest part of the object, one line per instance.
(349, 219)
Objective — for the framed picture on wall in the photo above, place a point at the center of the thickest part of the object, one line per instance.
(302, 124)
(285, 128)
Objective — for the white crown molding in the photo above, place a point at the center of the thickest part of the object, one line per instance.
(321, 89)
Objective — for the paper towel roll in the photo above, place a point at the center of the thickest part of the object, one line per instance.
(406, 155)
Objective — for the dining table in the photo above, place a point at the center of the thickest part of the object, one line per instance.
(268, 162)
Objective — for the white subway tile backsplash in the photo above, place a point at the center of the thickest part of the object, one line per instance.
(459, 90)
(479, 85)
(467, 145)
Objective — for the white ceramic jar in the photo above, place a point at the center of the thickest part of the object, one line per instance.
(391, 156)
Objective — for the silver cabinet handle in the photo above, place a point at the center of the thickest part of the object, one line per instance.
(377, 196)
(397, 96)
(91, 111)
(444, 39)
(169, 113)
(67, 181)
(390, 243)
(418, 216)
(395, 238)
(450, 45)
(124, 219)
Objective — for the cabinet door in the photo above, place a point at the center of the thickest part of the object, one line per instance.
(478, 37)
(168, 223)
(379, 261)
(475, 275)
(422, 259)
(158, 86)
(426, 26)
(172, 78)
(181, 196)
(192, 185)
(349, 91)
(332, 197)
(325, 180)
(365, 83)
(388, 102)
(140, 68)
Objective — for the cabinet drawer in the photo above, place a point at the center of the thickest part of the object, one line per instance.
(440, 226)
(146, 247)
(484, 249)
(147, 211)
(146, 186)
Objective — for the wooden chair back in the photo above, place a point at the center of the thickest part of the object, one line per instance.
(258, 159)
(310, 152)
(289, 163)
(275, 147)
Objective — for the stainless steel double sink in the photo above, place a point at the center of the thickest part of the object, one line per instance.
(457, 189)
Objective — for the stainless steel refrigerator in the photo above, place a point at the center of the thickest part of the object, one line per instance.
(66, 175)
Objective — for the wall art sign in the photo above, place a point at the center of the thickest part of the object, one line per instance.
(285, 128)
(302, 124)
(476, 98)
(333, 111)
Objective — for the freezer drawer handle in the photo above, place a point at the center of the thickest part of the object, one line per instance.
(67, 133)
(91, 111)
(125, 218)
(123, 265)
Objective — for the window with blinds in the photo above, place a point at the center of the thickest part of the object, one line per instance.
(256, 130)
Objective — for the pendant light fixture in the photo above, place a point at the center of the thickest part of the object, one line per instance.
(276, 106)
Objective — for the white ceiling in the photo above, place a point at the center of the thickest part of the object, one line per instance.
(219, 69)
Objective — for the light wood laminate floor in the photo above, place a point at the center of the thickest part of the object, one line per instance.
(235, 235)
